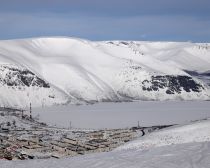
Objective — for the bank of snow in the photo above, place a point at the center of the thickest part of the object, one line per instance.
(186, 146)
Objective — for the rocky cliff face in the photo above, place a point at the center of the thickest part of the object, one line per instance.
(14, 76)
(172, 84)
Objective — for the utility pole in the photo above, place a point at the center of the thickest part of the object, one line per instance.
(138, 125)
(70, 125)
(43, 102)
(22, 113)
(30, 112)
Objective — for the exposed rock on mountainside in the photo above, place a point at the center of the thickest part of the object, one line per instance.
(173, 84)
(12, 75)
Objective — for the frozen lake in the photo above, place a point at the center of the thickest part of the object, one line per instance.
(118, 115)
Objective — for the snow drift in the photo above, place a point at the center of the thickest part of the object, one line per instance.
(60, 70)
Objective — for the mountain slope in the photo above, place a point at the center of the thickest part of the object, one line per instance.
(78, 70)
(19, 85)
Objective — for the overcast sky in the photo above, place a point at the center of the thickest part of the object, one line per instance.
(165, 20)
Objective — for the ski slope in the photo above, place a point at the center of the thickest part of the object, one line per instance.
(185, 146)
(79, 71)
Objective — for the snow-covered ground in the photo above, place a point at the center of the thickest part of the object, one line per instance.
(198, 131)
(186, 146)
(127, 114)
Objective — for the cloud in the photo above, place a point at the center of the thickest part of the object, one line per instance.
(178, 28)
(179, 20)
(109, 7)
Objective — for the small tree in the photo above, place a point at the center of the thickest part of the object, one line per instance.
(8, 124)
(14, 123)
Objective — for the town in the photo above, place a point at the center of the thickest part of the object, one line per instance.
(24, 137)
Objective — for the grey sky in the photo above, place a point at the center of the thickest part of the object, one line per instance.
(165, 20)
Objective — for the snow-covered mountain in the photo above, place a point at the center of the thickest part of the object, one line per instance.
(60, 70)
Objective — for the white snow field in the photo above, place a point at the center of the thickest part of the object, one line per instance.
(122, 115)
(198, 131)
(185, 146)
(60, 70)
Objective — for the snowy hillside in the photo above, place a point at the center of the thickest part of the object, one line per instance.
(48, 71)
(19, 85)
(194, 132)
(189, 147)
